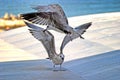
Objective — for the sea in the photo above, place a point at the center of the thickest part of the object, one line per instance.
(71, 7)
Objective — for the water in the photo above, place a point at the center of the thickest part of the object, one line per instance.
(71, 7)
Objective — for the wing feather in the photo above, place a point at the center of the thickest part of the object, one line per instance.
(38, 17)
(45, 18)
(80, 30)
(52, 8)
(46, 38)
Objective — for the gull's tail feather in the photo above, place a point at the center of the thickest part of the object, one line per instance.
(78, 31)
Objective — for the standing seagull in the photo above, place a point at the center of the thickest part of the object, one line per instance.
(47, 40)
(53, 17)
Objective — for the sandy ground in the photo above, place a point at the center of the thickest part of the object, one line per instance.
(102, 39)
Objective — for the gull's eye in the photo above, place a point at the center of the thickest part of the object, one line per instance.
(62, 57)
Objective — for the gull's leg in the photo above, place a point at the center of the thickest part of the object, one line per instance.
(80, 36)
(62, 69)
(54, 68)
(46, 29)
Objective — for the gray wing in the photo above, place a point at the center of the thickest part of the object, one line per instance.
(46, 38)
(42, 18)
(54, 16)
(80, 30)
(45, 18)
(40, 8)
(52, 8)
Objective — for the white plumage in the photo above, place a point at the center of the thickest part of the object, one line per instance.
(54, 18)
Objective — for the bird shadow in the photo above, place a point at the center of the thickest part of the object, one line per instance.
(46, 65)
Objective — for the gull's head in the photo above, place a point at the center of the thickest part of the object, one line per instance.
(62, 56)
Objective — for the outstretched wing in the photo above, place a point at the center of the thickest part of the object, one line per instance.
(80, 30)
(42, 18)
(46, 38)
(52, 8)
(55, 17)
(45, 18)
(41, 8)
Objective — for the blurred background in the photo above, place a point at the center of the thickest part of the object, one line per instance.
(10, 9)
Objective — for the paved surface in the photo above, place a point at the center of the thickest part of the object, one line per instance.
(99, 67)
(33, 70)
(96, 58)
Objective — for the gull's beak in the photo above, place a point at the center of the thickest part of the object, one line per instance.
(62, 58)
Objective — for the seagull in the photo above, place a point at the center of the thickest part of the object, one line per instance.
(80, 29)
(53, 17)
(47, 39)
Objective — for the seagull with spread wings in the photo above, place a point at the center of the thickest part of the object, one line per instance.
(53, 17)
(80, 29)
(47, 39)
